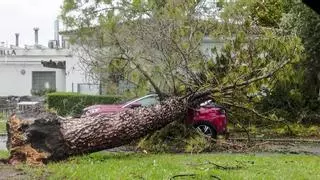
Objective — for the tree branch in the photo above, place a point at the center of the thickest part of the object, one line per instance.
(139, 68)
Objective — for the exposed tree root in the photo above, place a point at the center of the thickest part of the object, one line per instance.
(20, 150)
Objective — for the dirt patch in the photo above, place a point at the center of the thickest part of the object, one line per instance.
(294, 148)
(3, 141)
(12, 173)
(291, 147)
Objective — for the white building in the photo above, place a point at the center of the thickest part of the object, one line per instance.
(21, 70)
(34, 68)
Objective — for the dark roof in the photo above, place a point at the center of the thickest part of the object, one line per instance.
(54, 64)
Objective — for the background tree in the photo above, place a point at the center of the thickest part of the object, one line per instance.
(296, 97)
(305, 22)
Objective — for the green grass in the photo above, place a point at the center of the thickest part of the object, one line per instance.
(105, 165)
(4, 154)
(2, 126)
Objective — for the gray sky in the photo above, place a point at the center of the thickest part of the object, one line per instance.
(21, 16)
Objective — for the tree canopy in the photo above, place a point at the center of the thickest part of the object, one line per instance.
(180, 47)
(297, 96)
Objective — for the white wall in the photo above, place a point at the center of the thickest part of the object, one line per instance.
(13, 82)
(76, 73)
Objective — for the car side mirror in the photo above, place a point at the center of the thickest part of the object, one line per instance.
(134, 105)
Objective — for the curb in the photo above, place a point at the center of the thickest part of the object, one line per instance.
(3, 134)
(279, 140)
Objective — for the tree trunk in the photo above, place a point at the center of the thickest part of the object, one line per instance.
(38, 137)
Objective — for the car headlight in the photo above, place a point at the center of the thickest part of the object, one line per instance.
(92, 111)
(208, 102)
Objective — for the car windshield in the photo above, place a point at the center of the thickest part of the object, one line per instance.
(145, 101)
(126, 101)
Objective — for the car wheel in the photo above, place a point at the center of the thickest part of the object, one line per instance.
(206, 129)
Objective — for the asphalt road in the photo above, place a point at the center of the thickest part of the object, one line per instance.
(3, 140)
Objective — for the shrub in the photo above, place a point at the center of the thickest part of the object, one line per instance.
(42, 92)
(72, 103)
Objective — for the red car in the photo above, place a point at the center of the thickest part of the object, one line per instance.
(209, 118)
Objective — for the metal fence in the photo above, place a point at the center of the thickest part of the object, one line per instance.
(97, 89)
(87, 88)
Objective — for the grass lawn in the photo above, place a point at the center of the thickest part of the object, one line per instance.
(4, 154)
(104, 165)
(2, 126)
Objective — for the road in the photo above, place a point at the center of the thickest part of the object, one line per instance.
(3, 140)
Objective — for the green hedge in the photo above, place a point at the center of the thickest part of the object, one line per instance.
(73, 103)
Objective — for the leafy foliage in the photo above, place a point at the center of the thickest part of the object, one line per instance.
(177, 137)
(305, 22)
(237, 54)
(269, 13)
(168, 139)
(296, 97)
(161, 43)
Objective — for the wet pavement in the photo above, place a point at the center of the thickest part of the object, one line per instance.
(3, 140)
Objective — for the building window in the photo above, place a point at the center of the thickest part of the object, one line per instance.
(43, 80)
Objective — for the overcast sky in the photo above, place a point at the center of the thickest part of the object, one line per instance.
(21, 16)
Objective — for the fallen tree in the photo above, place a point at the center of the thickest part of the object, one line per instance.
(162, 52)
(36, 137)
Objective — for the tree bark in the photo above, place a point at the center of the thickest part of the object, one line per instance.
(39, 137)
